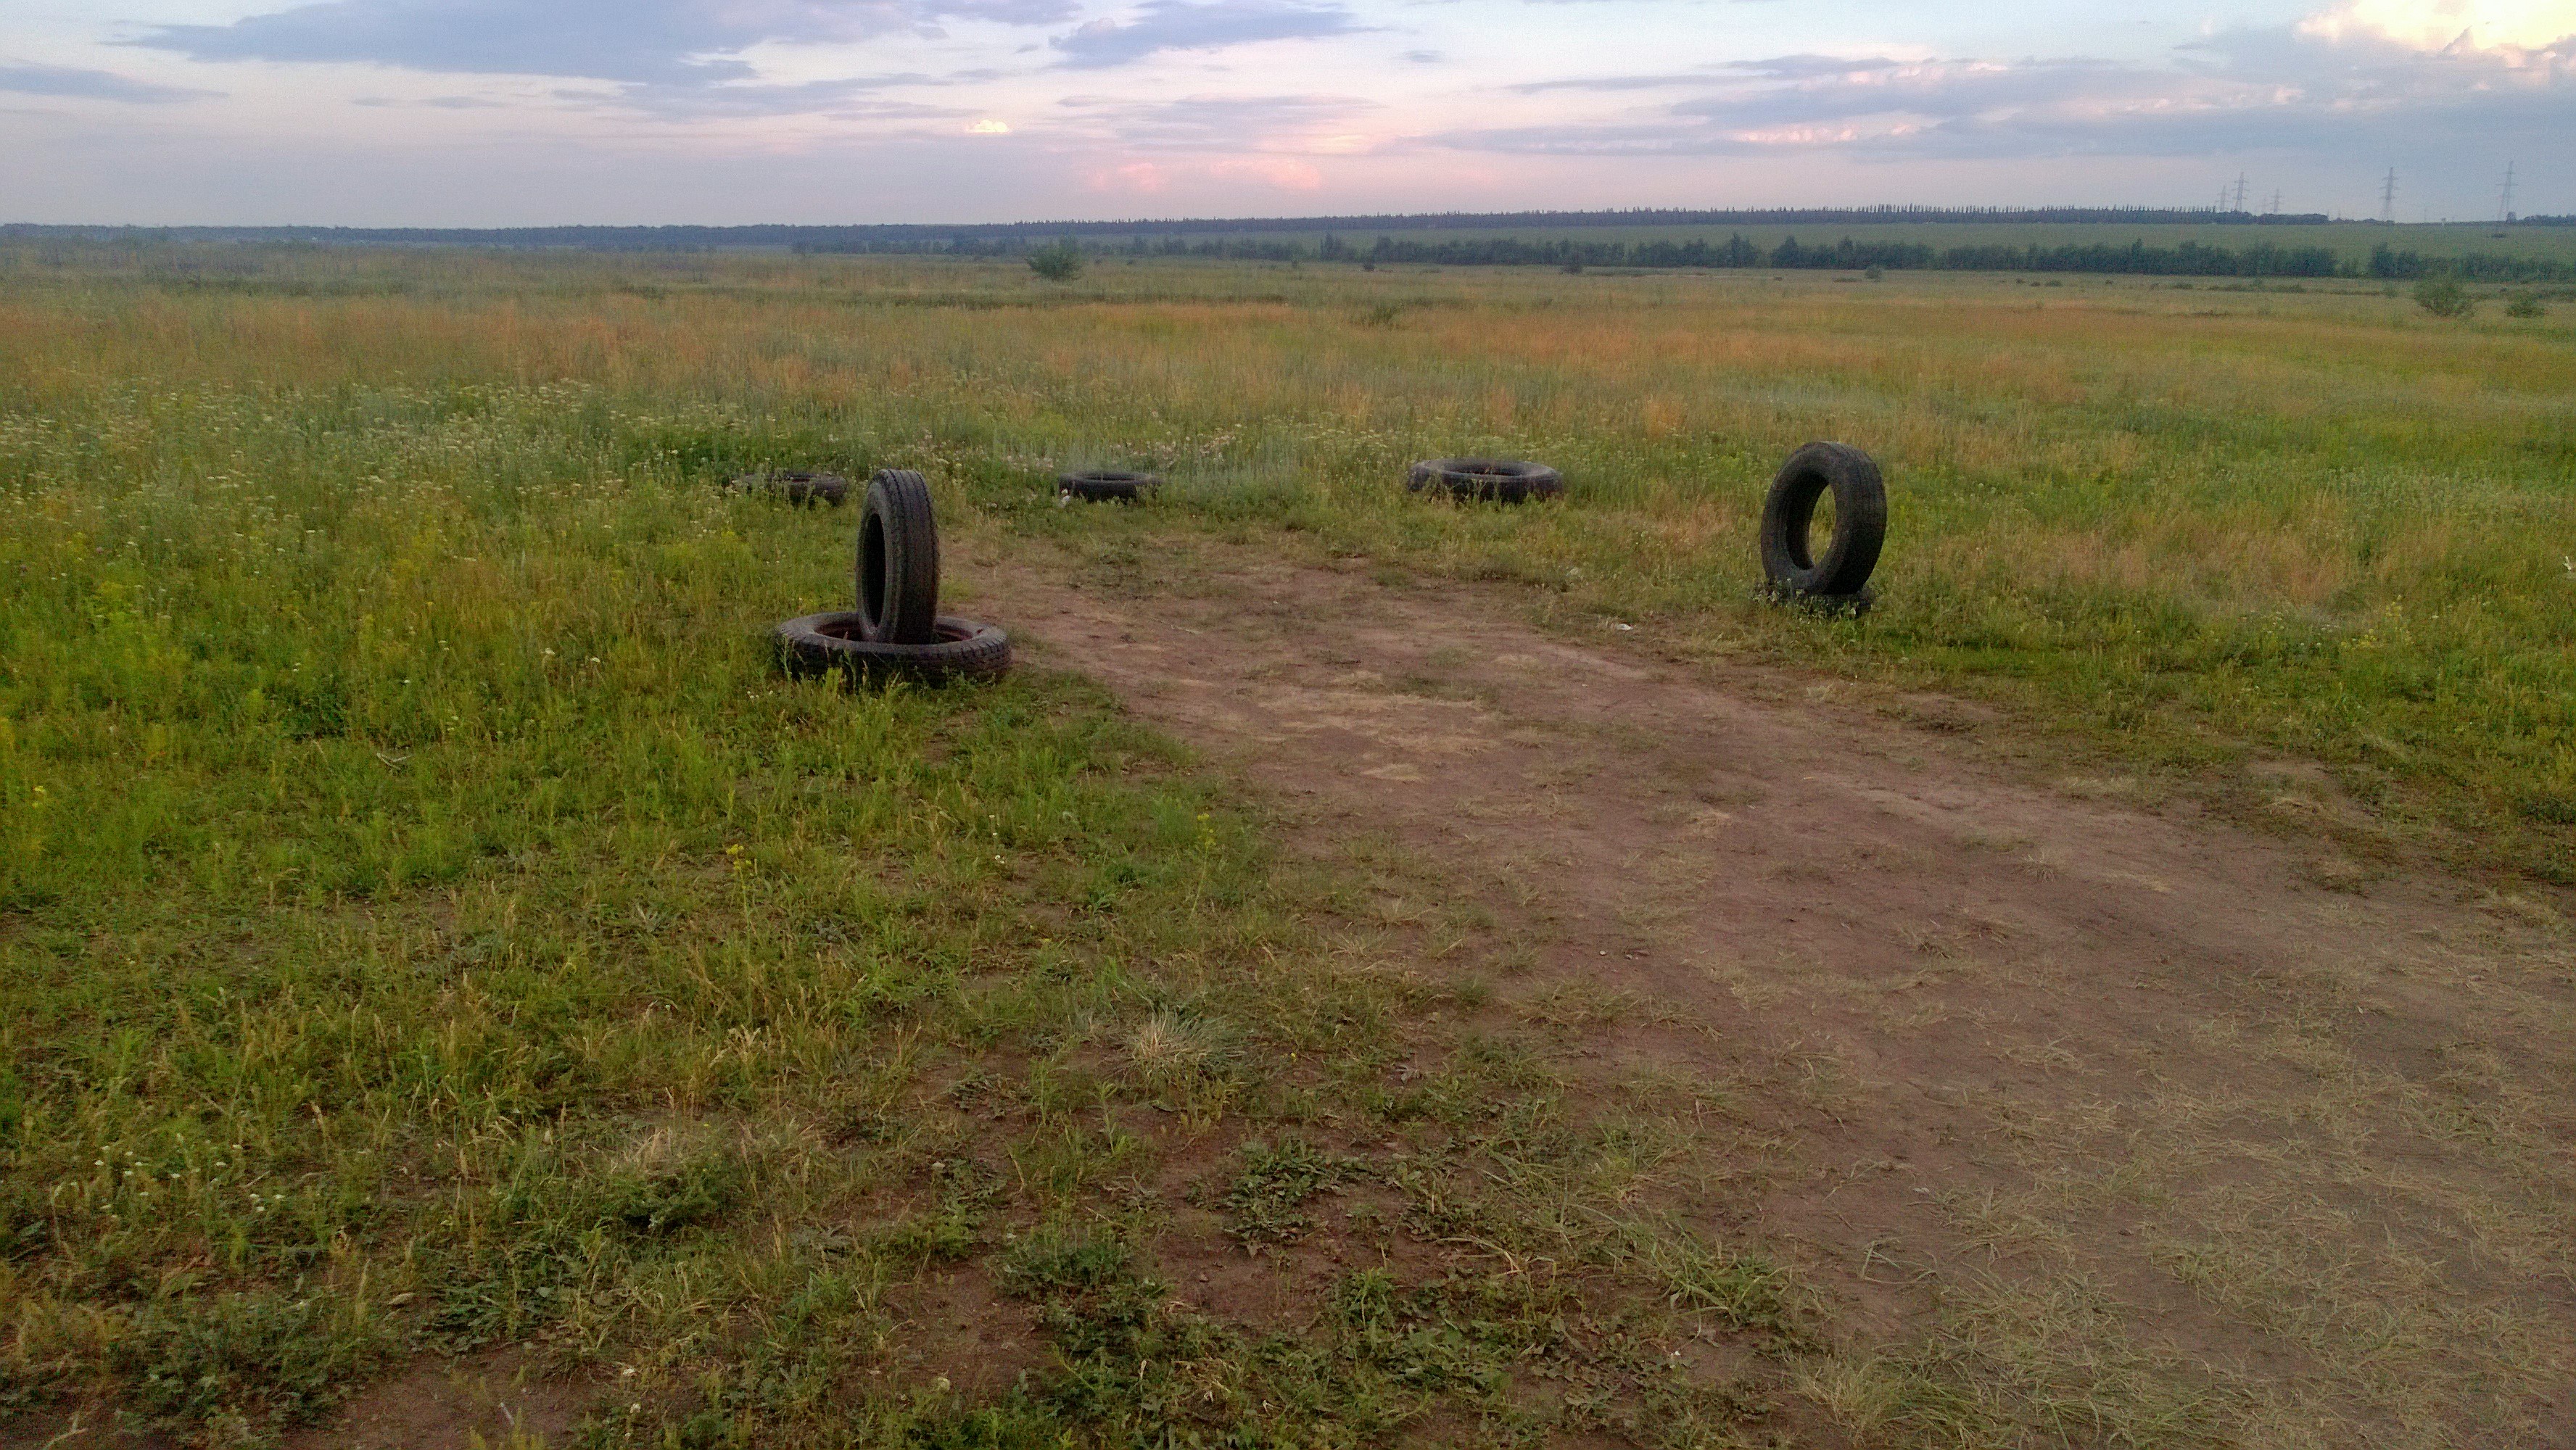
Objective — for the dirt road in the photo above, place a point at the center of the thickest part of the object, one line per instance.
(2167, 1123)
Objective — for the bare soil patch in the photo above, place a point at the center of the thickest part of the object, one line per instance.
(504, 1398)
(2152, 1124)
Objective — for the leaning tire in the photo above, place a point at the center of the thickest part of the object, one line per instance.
(830, 489)
(898, 564)
(1503, 480)
(1791, 563)
(1106, 487)
(818, 644)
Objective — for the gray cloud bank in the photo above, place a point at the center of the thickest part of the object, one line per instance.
(1217, 123)
(2276, 89)
(1201, 25)
(639, 42)
(89, 85)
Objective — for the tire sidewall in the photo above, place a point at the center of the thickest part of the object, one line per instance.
(1107, 487)
(1844, 565)
(966, 648)
(1494, 480)
(896, 573)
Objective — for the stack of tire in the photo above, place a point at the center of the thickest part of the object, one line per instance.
(1833, 577)
(897, 631)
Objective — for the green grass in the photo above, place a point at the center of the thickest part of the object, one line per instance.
(428, 923)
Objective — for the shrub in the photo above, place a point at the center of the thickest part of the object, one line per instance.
(2524, 304)
(1057, 261)
(2444, 297)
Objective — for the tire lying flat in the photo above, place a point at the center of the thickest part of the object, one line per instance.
(898, 565)
(829, 489)
(818, 644)
(1837, 574)
(1501, 480)
(1106, 487)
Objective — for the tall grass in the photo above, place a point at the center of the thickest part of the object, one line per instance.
(2188, 526)
(427, 922)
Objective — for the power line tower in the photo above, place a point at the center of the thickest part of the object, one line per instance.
(2273, 207)
(2240, 191)
(2388, 197)
(2504, 208)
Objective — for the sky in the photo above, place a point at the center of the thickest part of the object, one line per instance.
(533, 112)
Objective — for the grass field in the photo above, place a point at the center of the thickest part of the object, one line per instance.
(428, 925)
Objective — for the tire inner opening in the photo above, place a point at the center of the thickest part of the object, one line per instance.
(872, 568)
(1810, 524)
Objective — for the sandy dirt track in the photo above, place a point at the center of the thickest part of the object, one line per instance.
(2025, 1066)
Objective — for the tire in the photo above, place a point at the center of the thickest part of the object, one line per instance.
(1791, 564)
(829, 489)
(1106, 487)
(898, 565)
(1503, 480)
(818, 644)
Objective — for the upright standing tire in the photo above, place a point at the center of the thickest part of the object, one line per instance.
(1106, 487)
(1503, 480)
(898, 566)
(1793, 565)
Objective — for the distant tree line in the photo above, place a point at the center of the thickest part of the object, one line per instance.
(1015, 237)
(2184, 259)
(1398, 240)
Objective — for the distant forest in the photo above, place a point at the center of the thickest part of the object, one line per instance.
(2187, 259)
(1328, 239)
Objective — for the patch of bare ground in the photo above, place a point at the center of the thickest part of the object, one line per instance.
(500, 1399)
(78, 1430)
(957, 1327)
(2081, 1116)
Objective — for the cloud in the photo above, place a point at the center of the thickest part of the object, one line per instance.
(1284, 172)
(442, 103)
(2441, 24)
(2282, 88)
(90, 85)
(1613, 83)
(1201, 25)
(1288, 124)
(1137, 176)
(843, 97)
(639, 42)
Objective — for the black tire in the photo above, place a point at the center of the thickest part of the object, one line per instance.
(818, 644)
(829, 489)
(1791, 564)
(898, 566)
(1502, 480)
(1106, 487)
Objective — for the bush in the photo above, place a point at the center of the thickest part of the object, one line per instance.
(2444, 297)
(1057, 261)
(2524, 304)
